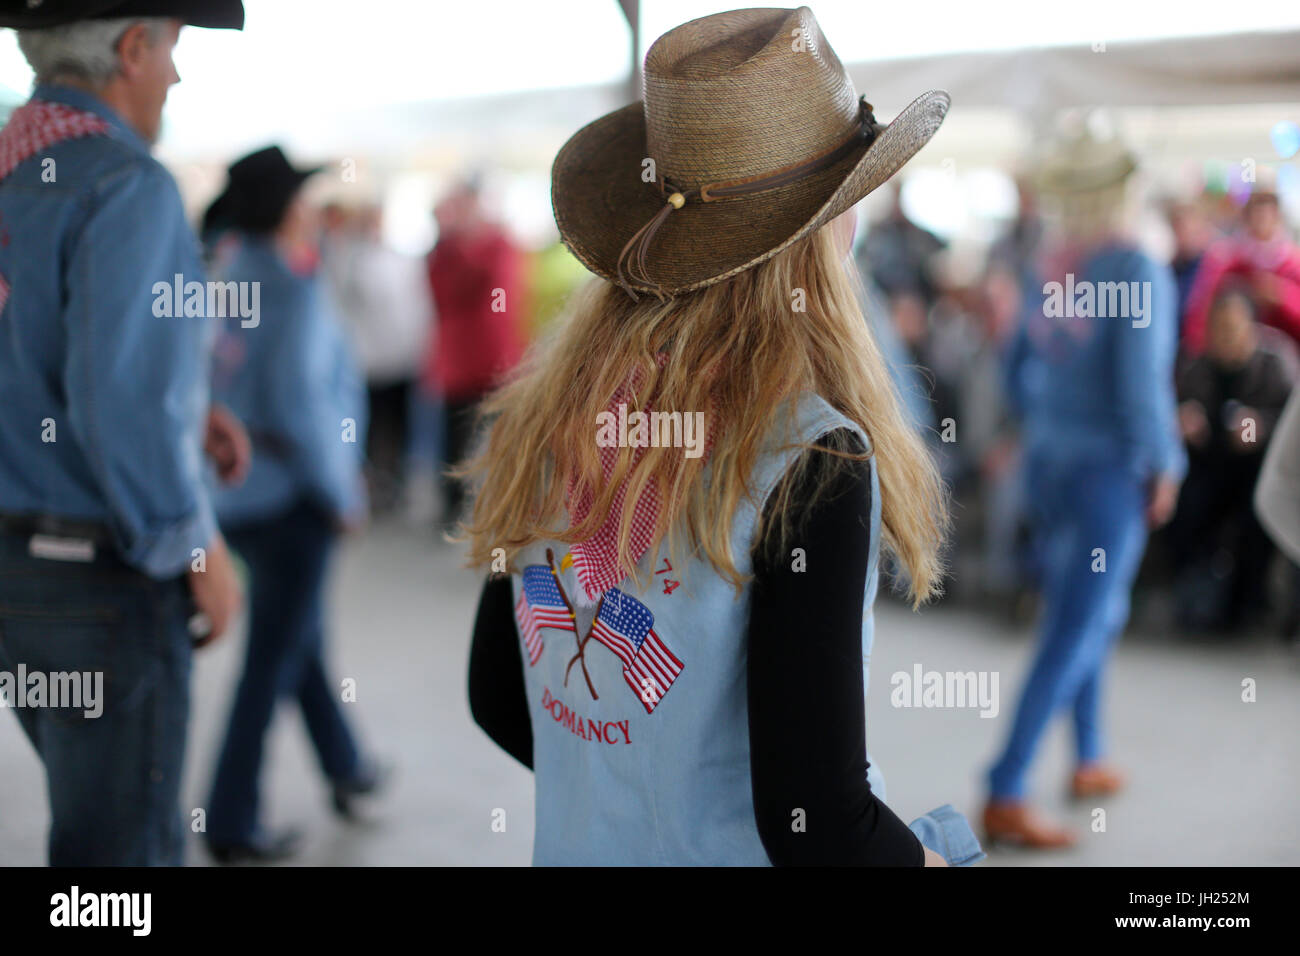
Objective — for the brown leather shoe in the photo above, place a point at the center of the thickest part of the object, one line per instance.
(1012, 822)
(1095, 780)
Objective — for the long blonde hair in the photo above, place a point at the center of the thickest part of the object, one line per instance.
(735, 350)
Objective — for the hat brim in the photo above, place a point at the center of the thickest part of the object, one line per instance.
(242, 203)
(600, 200)
(1071, 181)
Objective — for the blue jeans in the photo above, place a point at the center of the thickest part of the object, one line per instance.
(287, 557)
(114, 779)
(426, 435)
(1080, 506)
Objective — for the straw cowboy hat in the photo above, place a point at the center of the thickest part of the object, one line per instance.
(751, 136)
(1080, 160)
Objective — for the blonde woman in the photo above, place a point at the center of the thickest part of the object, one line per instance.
(690, 484)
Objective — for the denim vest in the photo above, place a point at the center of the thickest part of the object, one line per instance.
(653, 768)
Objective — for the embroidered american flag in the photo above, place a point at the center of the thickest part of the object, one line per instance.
(540, 605)
(37, 125)
(626, 627)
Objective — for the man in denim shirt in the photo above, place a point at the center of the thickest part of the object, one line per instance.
(108, 545)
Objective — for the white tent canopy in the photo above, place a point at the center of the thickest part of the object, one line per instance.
(1011, 87)
(1232, 69)
(405, 99)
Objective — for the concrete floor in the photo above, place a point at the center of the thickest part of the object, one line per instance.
(1214, 780)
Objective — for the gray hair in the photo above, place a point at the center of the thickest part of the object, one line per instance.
(85, 51)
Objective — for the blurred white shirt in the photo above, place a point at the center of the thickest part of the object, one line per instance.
(385, 301)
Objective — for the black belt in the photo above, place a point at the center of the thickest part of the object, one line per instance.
(26, 525)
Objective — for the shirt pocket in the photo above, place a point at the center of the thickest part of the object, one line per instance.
(946, 832)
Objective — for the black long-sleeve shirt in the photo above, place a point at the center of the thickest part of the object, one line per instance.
(807, 719)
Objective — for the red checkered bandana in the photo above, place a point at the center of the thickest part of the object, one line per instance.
(33, 127)
(38, 125)
(596, 559)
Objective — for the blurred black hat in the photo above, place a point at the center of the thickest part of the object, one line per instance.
(34, 14)
(261, 186)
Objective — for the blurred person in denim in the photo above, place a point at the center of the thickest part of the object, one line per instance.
(1230, 399)
(287, 371)
(1095, 391)
(108, 544)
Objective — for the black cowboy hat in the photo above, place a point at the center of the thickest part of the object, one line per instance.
(260, 188)
(34, 14)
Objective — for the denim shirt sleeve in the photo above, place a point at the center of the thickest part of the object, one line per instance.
(314, 389)
(136, 383)
(1145, 356)
(946, 832)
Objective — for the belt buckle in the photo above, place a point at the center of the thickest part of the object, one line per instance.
(55, 548)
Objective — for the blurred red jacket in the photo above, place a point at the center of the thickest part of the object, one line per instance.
(1246, 260)
(476, 279)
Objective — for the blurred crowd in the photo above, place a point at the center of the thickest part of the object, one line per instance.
(433, 336)
(1236, 270)
(1066, 435)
